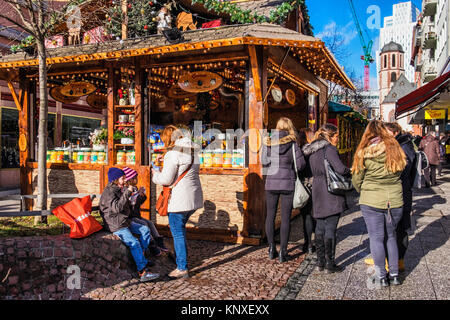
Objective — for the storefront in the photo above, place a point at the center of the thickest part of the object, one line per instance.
(235, 80)
(351, 125)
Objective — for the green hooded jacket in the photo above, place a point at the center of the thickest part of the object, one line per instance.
(377, 186)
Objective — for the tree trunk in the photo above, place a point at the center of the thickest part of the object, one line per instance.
(42, 132)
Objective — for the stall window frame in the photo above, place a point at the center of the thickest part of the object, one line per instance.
(1, 132)
(76, 116)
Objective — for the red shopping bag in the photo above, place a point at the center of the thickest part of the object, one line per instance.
(77, 215)
(212, 24)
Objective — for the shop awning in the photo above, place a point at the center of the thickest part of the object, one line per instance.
(337, 107)
(422, 96)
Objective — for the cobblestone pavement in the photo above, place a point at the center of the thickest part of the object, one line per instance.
(426, 262)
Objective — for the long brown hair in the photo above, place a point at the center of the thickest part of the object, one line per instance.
(326, 131)
(305, 136)
(395, 157)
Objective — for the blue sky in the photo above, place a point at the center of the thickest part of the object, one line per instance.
(325, 14)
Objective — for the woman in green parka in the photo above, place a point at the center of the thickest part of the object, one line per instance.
(377, 166)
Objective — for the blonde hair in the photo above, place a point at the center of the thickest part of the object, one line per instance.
(285, 124)
(326, 131)
(169, 135)
(395, 157)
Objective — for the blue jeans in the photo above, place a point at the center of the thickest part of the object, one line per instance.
(137, 247)
(380, 227)
(177, 223)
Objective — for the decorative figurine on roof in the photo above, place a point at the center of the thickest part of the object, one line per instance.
(74, 25)
(164, 18)
(185, 21)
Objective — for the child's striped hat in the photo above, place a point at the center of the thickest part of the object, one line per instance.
(129, 173)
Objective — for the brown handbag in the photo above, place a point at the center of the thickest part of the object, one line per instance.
(162, 203)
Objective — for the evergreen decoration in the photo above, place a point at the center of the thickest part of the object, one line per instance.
(141, 18)
(142, 15)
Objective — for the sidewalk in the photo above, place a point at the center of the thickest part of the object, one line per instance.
(427, 260)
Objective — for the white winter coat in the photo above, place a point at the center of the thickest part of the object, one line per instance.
(187, 195)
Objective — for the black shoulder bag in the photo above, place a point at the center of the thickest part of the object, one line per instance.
(336, 183)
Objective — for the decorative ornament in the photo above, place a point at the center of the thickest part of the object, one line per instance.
(164, 19)
(56, 94)
(277, 94)
(200, 81)
(184, 21)
(78, 89)
(290, 96)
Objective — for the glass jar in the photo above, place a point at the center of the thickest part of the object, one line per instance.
(80, 157)
(227, 159)
(218, 158)
(207, 159)
(94, 157)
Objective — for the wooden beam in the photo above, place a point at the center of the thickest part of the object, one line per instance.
(110, 107)
(233, 56)
(14, 95)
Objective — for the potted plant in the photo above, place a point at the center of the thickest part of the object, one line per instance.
(122, 95)
(26, 45)
(99, 139)
(125, 134)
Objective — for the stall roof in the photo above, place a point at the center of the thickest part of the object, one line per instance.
(338, 107)
(423, 96)
(236, 35)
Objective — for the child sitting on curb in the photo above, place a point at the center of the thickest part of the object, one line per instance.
(137, 198)
(115, 209)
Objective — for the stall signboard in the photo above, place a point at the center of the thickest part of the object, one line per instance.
(434, 114)
(200, 81)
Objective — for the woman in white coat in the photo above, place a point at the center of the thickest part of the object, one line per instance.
(187, 196)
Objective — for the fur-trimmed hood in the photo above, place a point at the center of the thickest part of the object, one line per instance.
(279, 138)
(316, 145)
(280, 141)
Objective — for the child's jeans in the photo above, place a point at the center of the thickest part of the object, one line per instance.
(153, 231)
(137, 247)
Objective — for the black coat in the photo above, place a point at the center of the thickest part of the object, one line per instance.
(115, 208)
(325, 204)
(278, 161)
(407, 177)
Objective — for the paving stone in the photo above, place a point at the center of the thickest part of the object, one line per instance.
(324, 289)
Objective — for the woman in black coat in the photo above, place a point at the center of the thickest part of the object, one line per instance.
(407, 177)
(327, 207)
(278, 161)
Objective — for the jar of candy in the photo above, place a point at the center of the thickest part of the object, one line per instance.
(218, 158)
(227, 159)
(87, 157)
(121, 157)
(66, 157)
(94, 157)
(101, 158)
(207, 159)
(131, 157)
(59, 156)
(235, 162)
(80, 157)
(75, 156)
(53, 156)
(48, 155)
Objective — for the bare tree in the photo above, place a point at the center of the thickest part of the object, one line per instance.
(36, 17)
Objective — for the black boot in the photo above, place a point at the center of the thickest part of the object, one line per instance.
(330, 266)
(320, 250)
(272, 251)
(283, 257)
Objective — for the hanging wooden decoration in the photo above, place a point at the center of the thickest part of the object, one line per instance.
(56, 94)
(290, 96)
(184, 21)
(78, 89)
(96, 101)
(200, 81)
(176, 92)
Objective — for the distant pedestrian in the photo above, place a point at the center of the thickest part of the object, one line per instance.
(430, 145)
(115, 209)
(181, 155)
(377, 166)
(280, 181)
(407, 177)
(137, 198)
(306, 136)
(442, 147)
(327, 207)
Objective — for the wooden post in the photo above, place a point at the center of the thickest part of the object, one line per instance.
(138, 138)
(125, 21)
(58, 125)
(112, 89)
(254, 217)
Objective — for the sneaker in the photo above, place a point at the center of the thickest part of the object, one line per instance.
(395, 280)
(154, 250)
(160, 243)
(145, 275)
(176, 274)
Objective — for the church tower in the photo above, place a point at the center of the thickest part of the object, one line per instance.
(392, 65)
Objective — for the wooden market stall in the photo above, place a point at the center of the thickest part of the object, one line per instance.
(232, 77)
(351, 125)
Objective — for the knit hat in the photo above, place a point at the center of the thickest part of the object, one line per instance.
(114, 174)
(129, 173)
